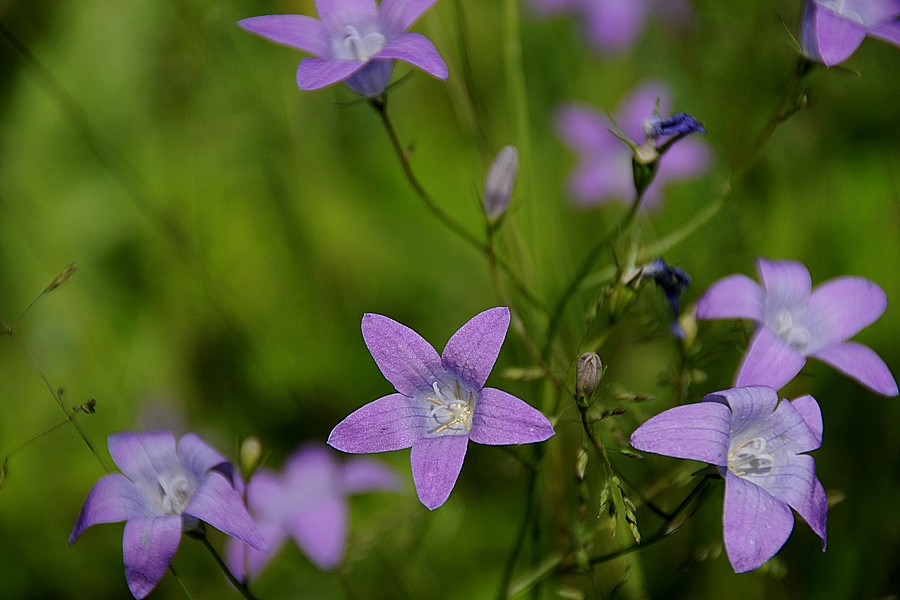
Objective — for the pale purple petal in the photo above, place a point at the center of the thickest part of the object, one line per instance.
(398, 15)
(751, 407)
(315, 73)
(768, 361)
(113, 498)
(320, 529)
(812, 415)
(734, 297)
(218, 503)
(787, 282)
(795, 483)
(436, 463)
(472, 351)
(815, 511)
(688, 158)
(336, 14)
(836, 37)
(840, 308)
(501, 418)
(597, 180)
(246, 562)
(639, 105)
(889, 33)
(143, 457)
(297, 31)
(417, 50)
(614, 24)
(862, 364)
(198, 456)
(584, 129)
(693, 431)
(149, 545)
(389, 423)
(366, 474)
(755, 524)
(405, 359)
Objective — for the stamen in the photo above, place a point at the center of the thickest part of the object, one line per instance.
(750, 458)
(450, 415)
(362, 47)
(175, 493)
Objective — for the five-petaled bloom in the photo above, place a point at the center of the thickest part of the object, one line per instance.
(832, 30)
(354, 41)
(162, 489)
(442, 402)
(758, 445)
(796, 321)
(604, 170)
(307, 501)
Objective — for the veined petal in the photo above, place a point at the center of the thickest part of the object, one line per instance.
(218, 503)
(750, 406)
(389, 423)
(140, 456)
(336, 14)
(734, 297)
(755, 524)
(836, 37)
(501, 418)
(315, 73)
(693, 431)
(795, 483)
(787, 282)
(320, 529)
(417, 50)
(815, 511)
(297, 31)
(246, 562)
(366, 474)
(769, 361)
(402, 355)
(811, 413)
(473, 349)
(397, 15)
(113, 498)
(862, 364)
(842, 307)
(436, 463)
(149, 545)
(198, 456)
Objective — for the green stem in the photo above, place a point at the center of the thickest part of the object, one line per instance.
(184, 587)
(241, 587)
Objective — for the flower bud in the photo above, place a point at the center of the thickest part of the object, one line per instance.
(501, 179)
(588, 373)
(251, 454)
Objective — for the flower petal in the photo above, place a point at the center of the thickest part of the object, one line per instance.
(315, 73)
(199, 457)
(686, 159)
(336, 14)
(113, 498)
(473, 349)
(397, 15)
(815, 511)
(755, 524)
(769, 361)
(218, 503)
(750, 407)
(501, 419)
(246, 562)
(787, 282)
(599, 179)
(889, 32)
(144, 456)
(389, 423)
(638, 107)
(840, 308)
(436, 463)
(320, 529)
(836, 37)
(693, 431)
(614, 25)
(812, 414)
(402, 355)
(734, 297)
(862, 364)
(148, 546)
(297, 31)
(365, 475)
(795, 483)
(417, 50)
(583, 129)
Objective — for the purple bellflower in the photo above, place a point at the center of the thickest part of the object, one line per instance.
(758, 445)
(353, 41)
(604, 170)
(796, 322)
(832, 30)
(441, 402)
(307, 502)
(162, 490)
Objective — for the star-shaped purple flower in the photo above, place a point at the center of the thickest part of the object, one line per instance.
(307, 501)
(162, 489)
(354, 41)
(442, 402)
(832, 30)
(758, 445)
(796, 322)
(604, 170)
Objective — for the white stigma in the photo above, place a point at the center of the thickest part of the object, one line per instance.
(796, 335)
(175, 492)
(750, 458)
(362, 47)
(450, 414)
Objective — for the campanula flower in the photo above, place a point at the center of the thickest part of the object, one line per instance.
(832, 30)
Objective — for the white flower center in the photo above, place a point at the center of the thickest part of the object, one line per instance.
(785, 327)
(175, 492)
(750, 458)
(450, 413)
(362, 47)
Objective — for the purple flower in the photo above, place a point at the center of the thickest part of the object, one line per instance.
(442, 402)
(307, 501)
(604, 170)
(354, 41)
(832, 30)
(758, 445)
(796, 322)
(164, 489)
(673, 282)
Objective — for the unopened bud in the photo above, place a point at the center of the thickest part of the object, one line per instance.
(61, 278)
(501, 179)
(581, 461)
(588, 373)
(251, 454)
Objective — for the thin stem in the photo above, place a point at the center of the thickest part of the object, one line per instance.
(241, 587)
(35, 438)
(510, 564)
(184, 588)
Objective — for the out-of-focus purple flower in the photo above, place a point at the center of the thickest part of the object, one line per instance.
(796, 322)
(832, 30)
(498, 186)
(162, 489)
(442, 402)
(615, 25)
(604, 170)
(758, 445)
(673, 282)
(307, 502)
(354, 41)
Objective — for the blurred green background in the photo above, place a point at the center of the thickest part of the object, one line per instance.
(230, 231)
